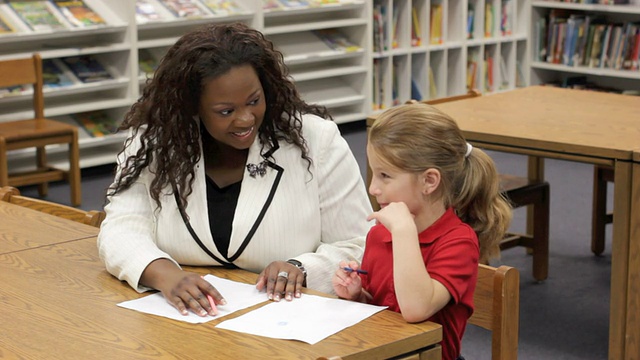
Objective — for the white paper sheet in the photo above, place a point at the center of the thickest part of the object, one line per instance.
(238, 295)
(310, 318)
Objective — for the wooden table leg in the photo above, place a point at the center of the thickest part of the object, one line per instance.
(632, 330)
(620, 260)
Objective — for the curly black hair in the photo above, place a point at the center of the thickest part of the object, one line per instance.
(165, 114)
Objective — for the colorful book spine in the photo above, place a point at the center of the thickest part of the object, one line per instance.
(78, 13)
(38, 15)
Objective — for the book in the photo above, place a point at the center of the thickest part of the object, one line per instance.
(87, 68)
(14, 90)
(146, 12)
(271, 5)
(294, 4)
(184, 8)
(53, 75)
(433, 88)
(78, 13)
(147, 62)
(38, 15)
(223, 7)
(97, 123)
(416, 34)
(436, 24)
(336, 40)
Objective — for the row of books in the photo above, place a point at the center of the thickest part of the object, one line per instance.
(379, 96)
(587, 40)
(282, 5)
(485, 68)
(18, 16)
(166, 10)
(416, 33)
(92, 124)
(64, 72)
(296, 46)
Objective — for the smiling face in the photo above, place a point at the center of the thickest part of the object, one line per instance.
(232, 107)
(389, 184)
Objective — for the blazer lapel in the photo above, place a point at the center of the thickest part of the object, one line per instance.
(255, 198)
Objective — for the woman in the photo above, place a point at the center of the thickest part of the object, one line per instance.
(226, 165)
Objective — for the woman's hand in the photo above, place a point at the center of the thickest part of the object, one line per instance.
(347, 284)
(277, 285)
(184, 290)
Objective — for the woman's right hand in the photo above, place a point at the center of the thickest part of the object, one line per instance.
(183, 290)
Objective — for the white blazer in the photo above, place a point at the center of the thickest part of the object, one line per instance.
(318, 218)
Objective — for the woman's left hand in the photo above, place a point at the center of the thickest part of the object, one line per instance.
(281, 279)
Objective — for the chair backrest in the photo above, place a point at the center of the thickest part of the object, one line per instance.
(12, 195)
(372, 118)
(497, 308)
(25, 71)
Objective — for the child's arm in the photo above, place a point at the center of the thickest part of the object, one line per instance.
(418, 295)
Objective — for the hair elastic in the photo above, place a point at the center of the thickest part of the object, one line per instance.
(469, 148)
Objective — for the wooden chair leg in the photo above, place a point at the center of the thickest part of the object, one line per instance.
(599, 211)
(541, 237)
(41, 162)
(74, 171)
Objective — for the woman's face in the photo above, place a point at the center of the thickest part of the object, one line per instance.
(232, 107)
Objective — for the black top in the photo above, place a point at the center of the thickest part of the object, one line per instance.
(222, 206)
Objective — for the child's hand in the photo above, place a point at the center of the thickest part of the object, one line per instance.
(394, 216)
(347, 284)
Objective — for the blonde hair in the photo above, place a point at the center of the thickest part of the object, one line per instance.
(417, 137)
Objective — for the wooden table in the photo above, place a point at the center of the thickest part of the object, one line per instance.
(58, 301)
(22, 228)
(583, 126)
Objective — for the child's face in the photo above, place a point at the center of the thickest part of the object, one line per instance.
(389, 184)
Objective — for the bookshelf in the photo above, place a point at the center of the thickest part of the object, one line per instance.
(328, 73)
(585, 68)
(424, 49)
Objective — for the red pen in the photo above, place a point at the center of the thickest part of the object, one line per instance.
(211, 302)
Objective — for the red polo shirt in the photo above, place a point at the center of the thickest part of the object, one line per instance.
(450, 251)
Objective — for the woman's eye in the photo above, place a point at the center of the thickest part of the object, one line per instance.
(226, 112)
(255, 101)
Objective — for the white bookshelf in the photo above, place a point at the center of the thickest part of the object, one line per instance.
(542, 72)
(337, 79)
(403, 64)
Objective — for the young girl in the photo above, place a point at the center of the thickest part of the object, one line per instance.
(441, 213)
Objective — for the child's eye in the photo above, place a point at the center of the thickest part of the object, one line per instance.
(385, 175)
(226, 112)
(255, 101)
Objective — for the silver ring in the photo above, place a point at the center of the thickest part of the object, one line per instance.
(283, 274)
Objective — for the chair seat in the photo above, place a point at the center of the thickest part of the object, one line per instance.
(31, 129)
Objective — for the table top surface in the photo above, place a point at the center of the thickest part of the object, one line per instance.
(23, 228)
(59, 300)
(553, 119)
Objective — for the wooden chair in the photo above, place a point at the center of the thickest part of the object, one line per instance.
(600, 218)
(497, 309)
(521, 192)
(12, 195)
(36, 133)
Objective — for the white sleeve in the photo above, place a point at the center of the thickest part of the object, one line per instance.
(344, 207)
(126, 242)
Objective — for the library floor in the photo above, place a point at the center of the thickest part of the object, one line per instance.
(565, 317)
